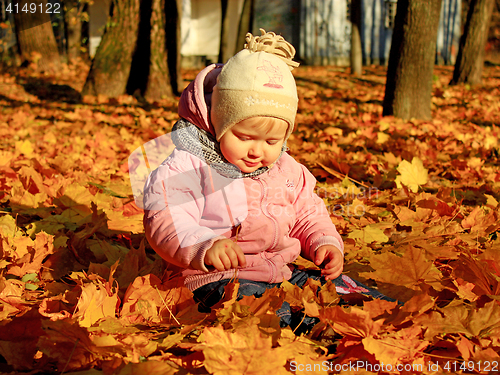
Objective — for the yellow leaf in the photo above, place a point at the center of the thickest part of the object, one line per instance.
(122, 223)
(75, 195)
(382, 137)
(6, 157)
(24, 201)
(491, 201)
(369, 234)
(30, 254)
(25, 147)
(95, 303)
(475, 163)
(490, 141)
(293, 293)
(8, 226)
(412, 175)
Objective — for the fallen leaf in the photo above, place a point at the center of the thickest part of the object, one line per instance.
(152, 368)
(350, 321)
(408, 270)
(403, 346)
(96, 302)
(369, 234)
(31, 254)
(25, 147)
(232, 353)
(412, 175)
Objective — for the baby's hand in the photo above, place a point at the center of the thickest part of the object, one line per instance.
(224, 255)
(331, 259)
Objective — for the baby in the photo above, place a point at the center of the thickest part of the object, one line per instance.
(229, 201)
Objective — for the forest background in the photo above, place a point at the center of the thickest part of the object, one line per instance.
(414, 197)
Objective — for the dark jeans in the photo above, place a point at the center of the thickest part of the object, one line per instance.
(209, 294)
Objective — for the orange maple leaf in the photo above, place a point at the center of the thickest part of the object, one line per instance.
(408, 270)
(148, 299)
(403, 346)
(32, 254)
(234, 353)
(96, 302)
(350, 321)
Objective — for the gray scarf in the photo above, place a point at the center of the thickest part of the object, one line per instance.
(187, 136)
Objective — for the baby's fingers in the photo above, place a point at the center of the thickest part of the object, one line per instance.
(332, 271)
(319, 256)
(241, 260)
(232, 258)
(215, 262)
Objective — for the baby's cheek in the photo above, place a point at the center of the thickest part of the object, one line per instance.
(275, 154)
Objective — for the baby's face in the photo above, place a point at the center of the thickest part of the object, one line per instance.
(253, 143)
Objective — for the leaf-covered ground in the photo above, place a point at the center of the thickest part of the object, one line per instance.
(416, 203)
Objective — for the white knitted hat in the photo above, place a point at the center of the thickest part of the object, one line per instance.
(257, 81)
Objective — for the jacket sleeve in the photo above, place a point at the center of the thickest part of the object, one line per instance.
(313, 226)
(173, 204)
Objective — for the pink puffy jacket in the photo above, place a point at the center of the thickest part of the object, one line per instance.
(274, 217)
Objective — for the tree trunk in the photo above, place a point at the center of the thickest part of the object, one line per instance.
(110, 69)
(411, 59)
(35, 36)
(226, 51)
(174, 16)
(236, 22)
(139, 52)
(140, 67)
(245, 24)
(73, 23)
(356, 51)
(158, 83)
(470, 59)
(150, 71)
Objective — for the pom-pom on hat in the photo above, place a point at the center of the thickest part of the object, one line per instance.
(257, 81)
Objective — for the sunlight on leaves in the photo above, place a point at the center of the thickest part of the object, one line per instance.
(416, 202)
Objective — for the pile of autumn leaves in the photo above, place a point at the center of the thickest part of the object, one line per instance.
(416, 203)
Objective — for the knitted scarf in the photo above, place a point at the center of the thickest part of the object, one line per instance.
(188, 137)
